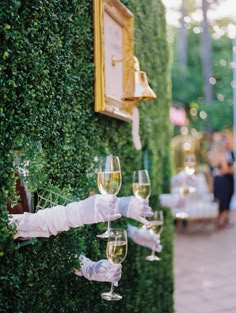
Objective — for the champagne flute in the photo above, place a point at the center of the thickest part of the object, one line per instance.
(141, 187)
(109, 181)
(190, 164)
(141, 184)
(155, 226)
(189, 167)
(116, 251)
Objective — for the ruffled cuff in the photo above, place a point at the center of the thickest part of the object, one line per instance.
(28, 226)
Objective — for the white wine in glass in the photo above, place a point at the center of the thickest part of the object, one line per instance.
(109, 180)
(190, 164)
(184, 191)
(189, 168)
(116, 252)
(141, 187)
(141, 184)
(155, 226)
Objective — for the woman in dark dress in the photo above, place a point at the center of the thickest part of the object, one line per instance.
(223, 179)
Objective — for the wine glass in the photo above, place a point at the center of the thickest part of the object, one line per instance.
(109, 180)
(141, 184)
(116, 251)
(155, 226)
(189, 168)
(189, 164)
(141, 187)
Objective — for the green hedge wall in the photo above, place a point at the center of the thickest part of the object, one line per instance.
(47, 111)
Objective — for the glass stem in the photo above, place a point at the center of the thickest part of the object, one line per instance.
(108, 226)
(112, 288)
(153, 251)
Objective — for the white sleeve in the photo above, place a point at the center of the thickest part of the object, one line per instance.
(44, 223)
(29, 225)
(50, 221)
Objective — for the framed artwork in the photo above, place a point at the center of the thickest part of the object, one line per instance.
(113, 56)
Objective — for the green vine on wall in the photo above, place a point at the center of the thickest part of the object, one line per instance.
(47, 118)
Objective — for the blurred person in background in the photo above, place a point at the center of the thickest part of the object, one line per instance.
(221, 161)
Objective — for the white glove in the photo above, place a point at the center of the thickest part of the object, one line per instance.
(95, 209)
(135, 208)
(169, 200)
(102, 270)
(145, 237)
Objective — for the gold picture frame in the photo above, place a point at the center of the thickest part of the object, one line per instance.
(113, 57)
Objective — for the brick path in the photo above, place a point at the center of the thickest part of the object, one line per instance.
(205, 271)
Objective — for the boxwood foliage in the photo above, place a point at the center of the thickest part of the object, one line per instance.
(47, 117)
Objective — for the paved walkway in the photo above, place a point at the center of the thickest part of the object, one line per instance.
(205, 271)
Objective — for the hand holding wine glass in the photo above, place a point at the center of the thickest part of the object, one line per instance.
(109, 180)
(155, 226)
(116, 251)
(141, 187)
(102, 270)
(135, 208)
(143, 237)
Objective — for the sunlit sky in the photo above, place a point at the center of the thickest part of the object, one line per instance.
(223, 10)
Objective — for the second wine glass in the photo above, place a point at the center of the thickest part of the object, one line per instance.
(109, 181)
(155, 226)
(116, 252)
(141, 184)
(141, 188)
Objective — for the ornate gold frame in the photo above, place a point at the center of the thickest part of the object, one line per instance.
(113, 56)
